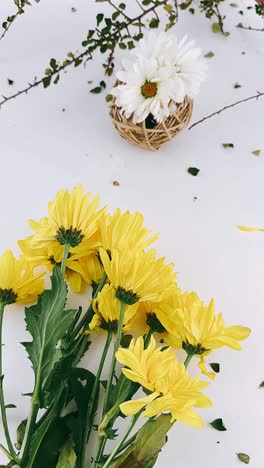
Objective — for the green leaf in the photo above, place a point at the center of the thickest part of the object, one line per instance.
(243, 457)
(256, 152)
(10, 406)
(154, 23)
(39, 435)
(185, 5)
(53, 64)
(209, 55)
(234, 5)
(261, 385)
(67, 457)
(46, 81)
(96, 90)
(49, 450)
(122, 45)
(193, 171)
(228, 145)
(237, 85)
(10, 82)
(218, 424)
(47, 322)
(216, 28)
(215, 366)
(20, 432)
(148, 443)
(122, 6)
(99, 18)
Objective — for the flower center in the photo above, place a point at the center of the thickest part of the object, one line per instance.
(71, 236)
(149, 89)
(111, 326)
(7, 296)
(191, 349)
(154, 324)
(128, 297)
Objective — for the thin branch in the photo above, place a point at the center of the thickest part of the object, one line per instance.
(249, 28)
(258, 95)
(77, 58)
(9, 24)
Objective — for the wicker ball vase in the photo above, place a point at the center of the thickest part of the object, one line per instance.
(152, 138)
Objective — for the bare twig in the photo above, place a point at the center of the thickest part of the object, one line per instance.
(249, 28)
(257, 96)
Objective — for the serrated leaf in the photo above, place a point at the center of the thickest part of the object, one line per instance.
(215, 366)
(244, 458)
(193, 171)
(209, 55)
(228, 145)
(148, 443)
(47, 322)
(67, 458)
(218, 424)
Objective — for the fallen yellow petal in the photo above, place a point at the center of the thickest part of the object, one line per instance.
(249, 229)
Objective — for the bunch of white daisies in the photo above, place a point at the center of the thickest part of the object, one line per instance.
(161, 71)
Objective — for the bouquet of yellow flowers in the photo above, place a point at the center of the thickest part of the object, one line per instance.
(132, 300)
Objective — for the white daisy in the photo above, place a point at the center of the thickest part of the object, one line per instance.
(189, 66)
(146, 88)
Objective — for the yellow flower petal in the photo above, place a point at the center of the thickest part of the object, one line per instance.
(249, 229)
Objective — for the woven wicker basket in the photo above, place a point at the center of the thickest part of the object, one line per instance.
(153, 138)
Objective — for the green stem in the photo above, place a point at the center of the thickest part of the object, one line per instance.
(2, 400)
(125, 436)
(89, 416)
(65, 258)
(5, 451)
(35, 403)
(113, 362)
(188, 359)
(103, 438)
(87, 316)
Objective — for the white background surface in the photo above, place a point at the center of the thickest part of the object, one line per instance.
(43, 149)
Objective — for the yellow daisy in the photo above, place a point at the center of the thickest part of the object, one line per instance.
(72, 219)
(107, 312)
(159, 317)
(124, 231)
(138, 275)
(76, 271)
(90, 268)
(17, 280)
(198, 330)
(170, 388)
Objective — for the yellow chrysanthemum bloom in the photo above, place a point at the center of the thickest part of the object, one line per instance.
(107, 312)
(75, 272)
(18, 283)
(159, 317)
(170, 387)
(138, 275)
(89, 268)
(72, 219)
(198, 330)
(124, 231)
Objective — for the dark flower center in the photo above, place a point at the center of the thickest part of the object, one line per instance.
(110, 326)
(154, 324)
(128, 297)
(149, 89)
(7, 296)
(71, 236)
(191, 349)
